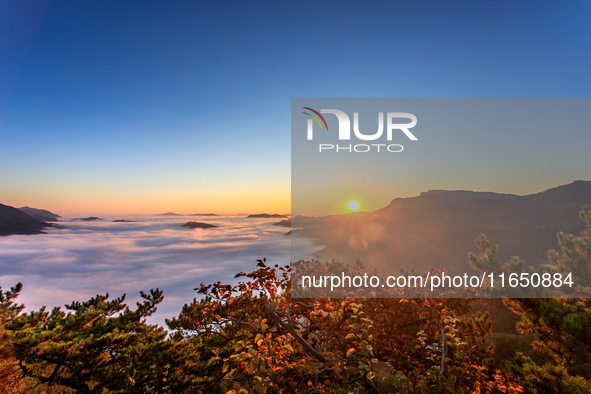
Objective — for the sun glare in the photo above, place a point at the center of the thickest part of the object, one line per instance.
(353, 205)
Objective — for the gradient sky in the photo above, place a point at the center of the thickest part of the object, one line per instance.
(504, 144)
(125, 107)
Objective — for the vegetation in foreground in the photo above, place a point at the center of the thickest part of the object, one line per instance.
(253, 338)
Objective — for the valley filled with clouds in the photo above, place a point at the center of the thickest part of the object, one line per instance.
(86, 258)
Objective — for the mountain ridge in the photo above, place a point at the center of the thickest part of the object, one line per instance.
(14, 222)
(40, 214)
(438, 228)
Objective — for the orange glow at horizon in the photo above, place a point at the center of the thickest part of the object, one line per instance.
(87, 203)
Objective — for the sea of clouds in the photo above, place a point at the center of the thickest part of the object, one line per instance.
(89, 258)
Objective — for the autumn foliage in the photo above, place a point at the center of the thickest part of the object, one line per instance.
(252, 337)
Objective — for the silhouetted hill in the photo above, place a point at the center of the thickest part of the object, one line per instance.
(451, 196)
(14, 221)
(198, 225)
(283, 223)
(40, 214)
(267, 216)
(168, 214)
(438, 228)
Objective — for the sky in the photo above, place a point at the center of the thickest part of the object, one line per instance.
(127, 108)
(517, 145)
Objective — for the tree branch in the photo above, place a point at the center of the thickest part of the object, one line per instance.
(289, 328)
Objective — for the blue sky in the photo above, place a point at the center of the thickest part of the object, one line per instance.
(121, 107)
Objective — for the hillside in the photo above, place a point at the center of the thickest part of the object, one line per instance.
(13, 221)
(40, 214)
(438, 228)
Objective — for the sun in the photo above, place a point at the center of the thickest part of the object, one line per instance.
(353, 205)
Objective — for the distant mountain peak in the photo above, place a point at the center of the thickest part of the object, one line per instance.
(454, 196)
(578, 189)
(40, 214)
(199, 225)
(14, 221)
(267, 216)
(574, 185)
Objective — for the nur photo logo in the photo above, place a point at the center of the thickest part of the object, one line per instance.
(391, 123)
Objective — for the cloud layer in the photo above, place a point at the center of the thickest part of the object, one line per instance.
(89, 258)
